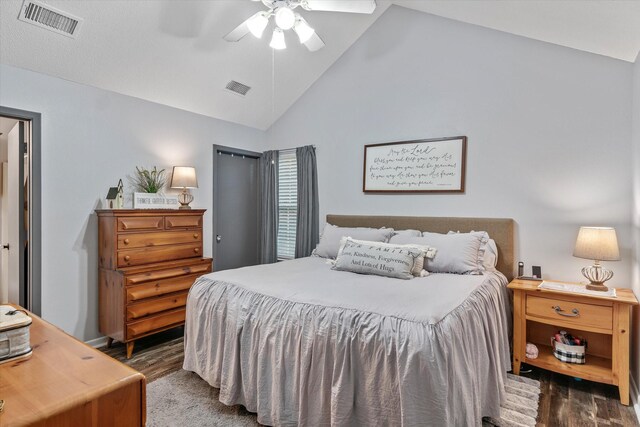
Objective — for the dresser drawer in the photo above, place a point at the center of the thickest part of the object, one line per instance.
(160, 238)
(160, 287)
(173, 222)
(578, 314)
(200, 268)
(157, 305)
(137, 223)
(161, 321)
(127, 258)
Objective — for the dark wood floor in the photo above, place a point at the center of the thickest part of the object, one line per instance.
(564, 401)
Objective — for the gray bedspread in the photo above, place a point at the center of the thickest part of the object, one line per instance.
(301, 344)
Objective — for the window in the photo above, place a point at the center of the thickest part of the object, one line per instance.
(287, 204)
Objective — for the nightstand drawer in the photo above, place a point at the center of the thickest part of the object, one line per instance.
(579, 314)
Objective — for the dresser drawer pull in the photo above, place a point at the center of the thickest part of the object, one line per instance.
(127, 257)
(196, 250)
(195, 235)
(574, 313)
(126, 241)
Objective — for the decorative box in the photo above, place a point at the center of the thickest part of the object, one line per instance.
(14, 333)
(569, 353)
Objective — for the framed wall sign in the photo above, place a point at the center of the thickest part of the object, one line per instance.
(154, 201)
(422, 166)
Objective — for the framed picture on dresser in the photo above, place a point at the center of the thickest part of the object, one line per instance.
(419, 166)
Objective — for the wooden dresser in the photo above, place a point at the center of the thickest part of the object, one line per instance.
(148, 261)
(67, 383)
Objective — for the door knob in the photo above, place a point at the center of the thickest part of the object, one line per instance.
(218, 238)
(5, 246)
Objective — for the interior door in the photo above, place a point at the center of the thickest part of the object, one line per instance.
(235, 208)
(4, 230)
(14, 243)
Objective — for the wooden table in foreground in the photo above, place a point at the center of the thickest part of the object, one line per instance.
(604, 321)
(68, 383)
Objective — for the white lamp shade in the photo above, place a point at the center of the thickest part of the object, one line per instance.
(184, 177)
(302, 29)
(597, 243)
(257, 23)
(277, 41)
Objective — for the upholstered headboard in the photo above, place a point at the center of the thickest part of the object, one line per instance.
(500, 229)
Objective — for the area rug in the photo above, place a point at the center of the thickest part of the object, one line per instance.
(184, 399)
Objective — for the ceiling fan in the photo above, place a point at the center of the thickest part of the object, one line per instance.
(285, 19)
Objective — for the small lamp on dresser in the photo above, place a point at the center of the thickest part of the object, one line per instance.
(598, 244)
(184, 177)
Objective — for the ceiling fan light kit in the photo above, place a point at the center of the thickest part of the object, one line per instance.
(286, 19)
(257, 23)
(277, 40)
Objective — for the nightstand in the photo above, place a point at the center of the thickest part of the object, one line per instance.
(604, 321)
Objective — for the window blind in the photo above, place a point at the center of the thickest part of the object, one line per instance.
(287, 204)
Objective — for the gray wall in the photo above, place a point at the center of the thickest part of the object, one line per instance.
(549, 130)
(90, 139)
(636, 226)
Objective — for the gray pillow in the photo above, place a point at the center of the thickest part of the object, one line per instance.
(488, 250)
(377, 258)
(401, 234)
(331, 236)
(457, 253)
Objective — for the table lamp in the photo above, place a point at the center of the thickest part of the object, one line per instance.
(598, 244)
(184, 177)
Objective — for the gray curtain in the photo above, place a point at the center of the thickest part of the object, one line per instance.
(307, 228)
(268, 207)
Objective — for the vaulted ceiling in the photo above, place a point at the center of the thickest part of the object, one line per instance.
(172, 52)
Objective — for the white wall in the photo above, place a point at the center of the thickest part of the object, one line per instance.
(549, 130)
(90, 139)
(636, 227)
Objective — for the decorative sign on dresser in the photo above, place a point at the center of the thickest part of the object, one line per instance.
(149, 258)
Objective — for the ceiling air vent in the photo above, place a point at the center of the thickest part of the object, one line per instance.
(238, 88)
(50, 18)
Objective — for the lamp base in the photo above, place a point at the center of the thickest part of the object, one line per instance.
(597, 276)
(600, 287)
(185, 198)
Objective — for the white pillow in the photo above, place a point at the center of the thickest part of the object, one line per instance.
(418, 265)
(381, 259)
(457, 253)
(332, 235)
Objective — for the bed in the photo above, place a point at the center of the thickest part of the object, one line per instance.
(301, 344)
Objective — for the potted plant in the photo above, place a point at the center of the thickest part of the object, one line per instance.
(148, 185)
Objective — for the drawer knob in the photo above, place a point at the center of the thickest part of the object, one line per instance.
(126, 241)
(196, 250)
(574, 313)
(195, 235)
(127, 257)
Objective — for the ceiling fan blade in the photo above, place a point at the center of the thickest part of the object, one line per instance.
(237, 33)
(351, 6)
(314, 43)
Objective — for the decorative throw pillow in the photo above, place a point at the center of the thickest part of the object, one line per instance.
(378, 258)
(418, 265)
(332, 235)
(457, 253)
